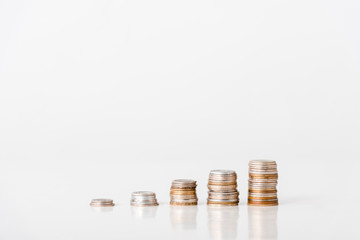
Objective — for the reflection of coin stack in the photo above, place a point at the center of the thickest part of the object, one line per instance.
(262, 223)
(263, 177)
(143, 199)
(222, 188)
(143, 212)
(183, 218)
(222, 222)
(183, 192)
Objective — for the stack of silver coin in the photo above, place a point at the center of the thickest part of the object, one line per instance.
(263, 179)
(222, 188)
(143, 199)
(183, 192)
(101, 202)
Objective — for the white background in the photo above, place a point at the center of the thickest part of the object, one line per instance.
(102, 98)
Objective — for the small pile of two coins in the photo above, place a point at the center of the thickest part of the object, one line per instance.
(183, 192)
(101, 202)
(222, 188)
(263, 178)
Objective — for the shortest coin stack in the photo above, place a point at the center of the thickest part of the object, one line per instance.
(183, 192)
(143, 199)
(102, 203)
(222, 188)
(263, 178)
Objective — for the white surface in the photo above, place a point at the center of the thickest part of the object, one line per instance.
(102, 98)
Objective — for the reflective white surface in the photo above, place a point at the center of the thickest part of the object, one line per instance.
(66, 220)
(100, 98)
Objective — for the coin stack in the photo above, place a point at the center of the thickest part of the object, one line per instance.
(143, 199)
(263, 178)
(183, 192)
(100, 202)
(222, 188)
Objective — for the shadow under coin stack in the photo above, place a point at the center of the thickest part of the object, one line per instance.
(143, 199)
(263, 178)
(183, 192)
(222, 188)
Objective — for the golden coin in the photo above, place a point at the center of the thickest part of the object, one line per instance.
(222, 203)
(273, 203)
(183, 203)
(263, 176)
(181, 192)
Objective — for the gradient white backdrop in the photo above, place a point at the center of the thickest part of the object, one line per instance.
(102, 98)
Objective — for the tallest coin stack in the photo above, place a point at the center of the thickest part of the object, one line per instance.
(263, 176)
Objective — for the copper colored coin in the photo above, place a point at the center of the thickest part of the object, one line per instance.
(273, 203)
(263, 176)
(183, 203)
(211, 203)
(222, 183)
(182, 192)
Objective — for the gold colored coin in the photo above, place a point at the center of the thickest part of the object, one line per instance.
(263, 176)
(183, 203)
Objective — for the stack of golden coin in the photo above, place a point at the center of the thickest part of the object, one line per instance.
(263, 176)
(222, 188)
(183, 192)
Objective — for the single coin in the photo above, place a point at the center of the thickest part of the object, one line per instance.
(212, 203)
(262, 190)
(222, 183)
(264, 203)
(222, 172)
(144, 205)
(222, 200)
(183, 203)
(143, 193)
(262, 162)
(263, 176)
(183, 197)
(182, 193)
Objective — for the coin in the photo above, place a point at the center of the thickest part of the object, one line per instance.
(101, 202)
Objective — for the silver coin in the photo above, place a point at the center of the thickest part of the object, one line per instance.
(222, 172)
(262, 162)
(144, 205)
(143, 193)
(264, 200)
(101, 200)
(183, 197)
